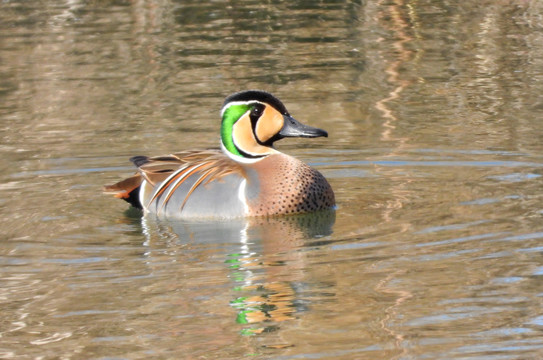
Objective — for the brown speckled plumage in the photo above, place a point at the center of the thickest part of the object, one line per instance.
(287, 186)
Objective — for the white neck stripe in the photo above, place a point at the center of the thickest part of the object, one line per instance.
(241, 159)
(239, 103)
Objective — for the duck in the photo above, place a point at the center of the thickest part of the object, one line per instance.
(245, 177)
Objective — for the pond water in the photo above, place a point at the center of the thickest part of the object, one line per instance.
(435, 153)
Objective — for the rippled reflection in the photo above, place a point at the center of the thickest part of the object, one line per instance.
(264, 257)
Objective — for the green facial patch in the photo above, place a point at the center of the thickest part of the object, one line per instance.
(229, 118)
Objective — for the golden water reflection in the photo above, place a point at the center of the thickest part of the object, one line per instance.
(265, 260)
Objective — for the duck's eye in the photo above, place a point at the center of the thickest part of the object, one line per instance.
(256, 112)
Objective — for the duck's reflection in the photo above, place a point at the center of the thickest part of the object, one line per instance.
(264, 258)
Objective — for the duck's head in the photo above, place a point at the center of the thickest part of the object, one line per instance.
(253, 120)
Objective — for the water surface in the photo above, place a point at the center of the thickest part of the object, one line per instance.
(435, 155)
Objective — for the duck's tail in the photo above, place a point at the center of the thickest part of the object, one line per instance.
(129, 189)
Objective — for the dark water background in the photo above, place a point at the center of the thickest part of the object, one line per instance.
(434, 110)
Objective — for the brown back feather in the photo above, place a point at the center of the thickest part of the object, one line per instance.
(212, 164)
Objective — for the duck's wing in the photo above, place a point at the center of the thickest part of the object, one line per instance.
(169, 172)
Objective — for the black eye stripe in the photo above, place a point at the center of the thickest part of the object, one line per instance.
(256, 112)
(255, 115)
